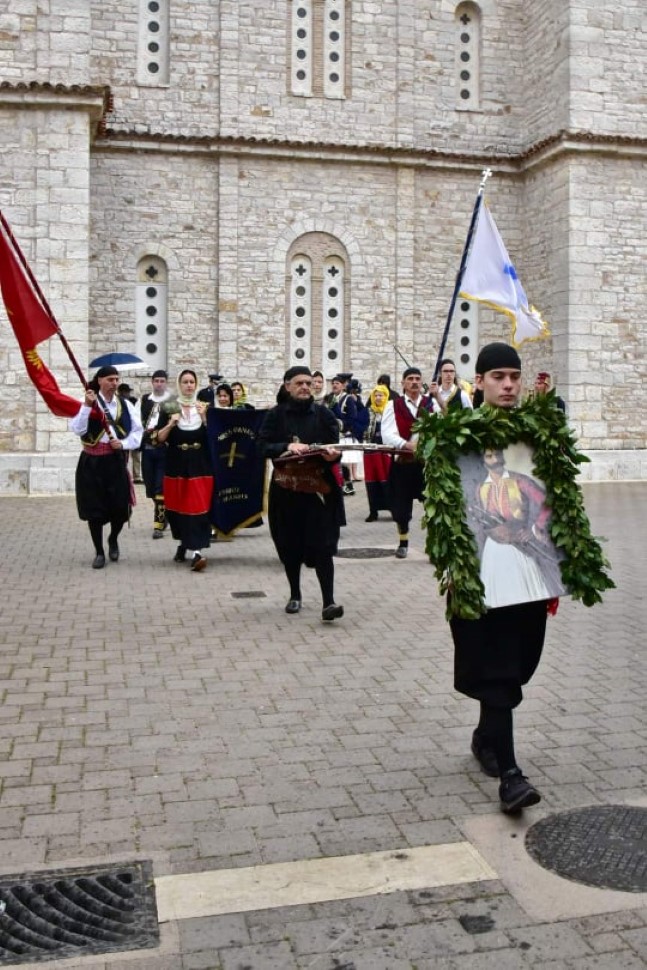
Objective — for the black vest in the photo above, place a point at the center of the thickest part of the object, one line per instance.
(96, 423)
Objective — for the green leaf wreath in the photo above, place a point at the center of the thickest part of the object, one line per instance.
(450, 544)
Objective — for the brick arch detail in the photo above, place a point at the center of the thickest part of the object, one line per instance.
(302, 228)
(156, 249)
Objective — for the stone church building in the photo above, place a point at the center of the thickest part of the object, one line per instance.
(239, 186)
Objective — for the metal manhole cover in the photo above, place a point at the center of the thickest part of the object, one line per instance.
(364, 553)
(248, 594)
(603, 846)
(77, 912)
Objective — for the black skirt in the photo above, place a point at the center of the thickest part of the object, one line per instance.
(103, 487)
(498, 653)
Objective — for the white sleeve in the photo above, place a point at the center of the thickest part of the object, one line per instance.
(390, 433)
(133, 440)
(79, 423)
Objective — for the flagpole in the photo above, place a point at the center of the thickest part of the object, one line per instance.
(41, 296)
(485, 175)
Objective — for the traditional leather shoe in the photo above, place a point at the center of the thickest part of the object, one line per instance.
(332, 612)
(371, 517)
(99, 561)
(516, 792)
(158, 533)
(293, 606)
(485, 756)
(198, 563)
(348, 490)
(113, 551)
(401, 552)
(180, 555)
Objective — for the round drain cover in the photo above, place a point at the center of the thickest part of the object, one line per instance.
(603, 846)
(364, 553)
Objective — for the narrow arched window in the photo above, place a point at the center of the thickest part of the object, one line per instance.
(334, 48)
(151, 297)
(467, 20)
(302, 48)
(466, 337)
(153, 42)
(301, 310)
(332, 299)
(318, 302)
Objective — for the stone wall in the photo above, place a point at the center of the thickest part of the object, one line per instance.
(221, 170)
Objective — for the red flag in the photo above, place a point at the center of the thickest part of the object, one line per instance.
(31, 324)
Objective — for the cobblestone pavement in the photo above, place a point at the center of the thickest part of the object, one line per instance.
(150, 712)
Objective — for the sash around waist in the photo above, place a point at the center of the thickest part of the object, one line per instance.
(102, 448)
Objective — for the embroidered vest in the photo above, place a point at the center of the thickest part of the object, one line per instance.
(96, 426)
(404, 419)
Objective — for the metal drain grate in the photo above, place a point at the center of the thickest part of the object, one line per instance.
(248, 594)
(77, 912)
(603, 846)
(367, 553)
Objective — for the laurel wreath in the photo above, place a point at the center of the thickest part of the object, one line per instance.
(450, 544)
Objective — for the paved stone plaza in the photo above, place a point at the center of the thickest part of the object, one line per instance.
(151, 713)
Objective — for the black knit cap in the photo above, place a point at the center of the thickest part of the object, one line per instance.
(495, 356)
(107, 371)
(295, 371)
(343, 378)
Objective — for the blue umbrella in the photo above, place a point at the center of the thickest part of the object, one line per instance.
(120, 361)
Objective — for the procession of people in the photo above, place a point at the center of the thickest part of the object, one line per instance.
(315, 444)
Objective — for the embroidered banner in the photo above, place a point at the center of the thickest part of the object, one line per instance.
(239, 496)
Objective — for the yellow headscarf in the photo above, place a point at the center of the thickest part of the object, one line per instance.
(385, 391)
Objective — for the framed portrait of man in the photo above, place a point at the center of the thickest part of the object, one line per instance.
(508, 516)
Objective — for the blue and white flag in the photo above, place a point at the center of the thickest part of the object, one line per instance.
(490, 278)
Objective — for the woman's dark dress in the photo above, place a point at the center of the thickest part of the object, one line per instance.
(188, 487)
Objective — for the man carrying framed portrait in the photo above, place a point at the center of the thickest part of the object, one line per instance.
(508, 534)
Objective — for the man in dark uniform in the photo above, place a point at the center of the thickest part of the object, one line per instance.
(108, 426)
(497, 654)
(208, 394)
(305, 512)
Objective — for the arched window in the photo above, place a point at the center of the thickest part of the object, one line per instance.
(318, 302)
(319, 44)
(153, 42)
(466, 337)
(151, 295)
(467, 18)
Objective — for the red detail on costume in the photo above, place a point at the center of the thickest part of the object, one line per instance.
(404, 419)
(189, 496)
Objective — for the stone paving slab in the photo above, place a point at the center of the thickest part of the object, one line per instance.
(147, 712)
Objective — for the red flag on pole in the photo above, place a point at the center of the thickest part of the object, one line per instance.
(31, 324)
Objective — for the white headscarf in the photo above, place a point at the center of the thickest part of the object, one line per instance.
(190, 418)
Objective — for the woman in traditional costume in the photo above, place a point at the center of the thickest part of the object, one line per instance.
(188, 478)
(376, 464)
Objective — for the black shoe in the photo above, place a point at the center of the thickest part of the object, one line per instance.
(332, 612)
(516, 792)
(198, 563)
(99, 561)
(158, 533)
(401, 552)
(485, 756)
(180, 555)
(371, 517)
(113, 551)
(348, 490)
(293, 606)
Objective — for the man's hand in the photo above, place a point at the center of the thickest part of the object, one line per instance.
(331, 453)
(116, 444)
